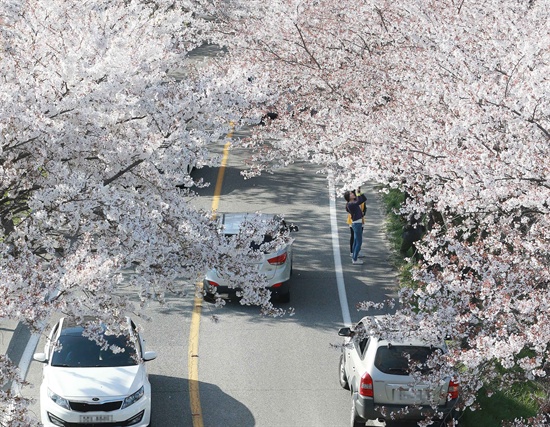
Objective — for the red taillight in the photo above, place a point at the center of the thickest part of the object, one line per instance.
(452, 392)
(211, 283)
(365, 388)
(278, 260)
(277, 285)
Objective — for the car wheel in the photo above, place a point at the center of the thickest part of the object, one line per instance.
(284, 297)
(356, 420)
(208, 297)
(342, 374)
(451, 420)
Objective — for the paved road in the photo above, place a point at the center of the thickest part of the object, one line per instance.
(256, 371)
(283, 371)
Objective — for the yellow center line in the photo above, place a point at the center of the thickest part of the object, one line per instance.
(193, 347)
(221, 173)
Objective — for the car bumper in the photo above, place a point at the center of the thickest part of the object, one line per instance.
(211, 293)
(136, 415)
(367, 410)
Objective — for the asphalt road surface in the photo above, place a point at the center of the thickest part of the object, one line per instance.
(262, 371)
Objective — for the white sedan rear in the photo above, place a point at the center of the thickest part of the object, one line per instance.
(275, 266)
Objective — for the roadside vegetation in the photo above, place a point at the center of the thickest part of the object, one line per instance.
(494, 409)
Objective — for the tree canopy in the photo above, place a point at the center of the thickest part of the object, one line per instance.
(96, 129)
(446, 101)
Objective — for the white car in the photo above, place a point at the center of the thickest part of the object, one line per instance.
(276, 266)
(85, 384)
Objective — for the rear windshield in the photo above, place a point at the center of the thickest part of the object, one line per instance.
(76, 351)
(397, 360)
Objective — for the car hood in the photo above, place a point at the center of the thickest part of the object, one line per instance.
(95, 382)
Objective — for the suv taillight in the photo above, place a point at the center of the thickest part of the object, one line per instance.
(365, 388)
(453, 390)
(278, 260)
(212, 283)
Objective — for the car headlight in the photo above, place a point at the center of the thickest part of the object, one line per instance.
(133, 398)
(61, 401)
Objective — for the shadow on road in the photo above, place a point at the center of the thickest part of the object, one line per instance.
(170, 404)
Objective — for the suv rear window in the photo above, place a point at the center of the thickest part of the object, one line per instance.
(396, 360)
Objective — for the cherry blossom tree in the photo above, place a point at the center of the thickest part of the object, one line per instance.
(447, 101)
(97, 133)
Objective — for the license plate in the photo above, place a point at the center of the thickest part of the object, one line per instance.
(410, 395)
(96, 418)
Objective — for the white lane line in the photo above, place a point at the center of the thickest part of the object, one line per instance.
(336, 253)
(26, 358)
(30, 348)
(24, 364)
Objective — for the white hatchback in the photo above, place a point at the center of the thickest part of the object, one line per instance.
(85, 383)
(275, 266)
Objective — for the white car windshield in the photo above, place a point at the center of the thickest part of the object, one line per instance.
(76, 351)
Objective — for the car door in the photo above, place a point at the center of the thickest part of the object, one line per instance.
(139, 342)
(51, 341)
(355, 355)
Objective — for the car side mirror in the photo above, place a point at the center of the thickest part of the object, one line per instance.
(40, 357)
(149, 355)
(293, 227)
(346, 332)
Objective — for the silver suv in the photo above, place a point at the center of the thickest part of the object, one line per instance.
(377, 372)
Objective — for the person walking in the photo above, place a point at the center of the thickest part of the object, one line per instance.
(353, 207)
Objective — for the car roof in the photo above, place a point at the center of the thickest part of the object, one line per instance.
(232, 222)
(69, 326)
(409, 341)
